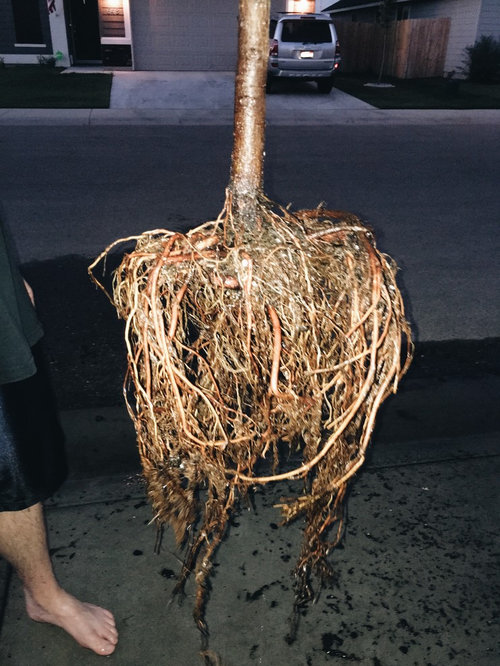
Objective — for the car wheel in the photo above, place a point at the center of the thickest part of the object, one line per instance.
(324, 86)
(269, 85)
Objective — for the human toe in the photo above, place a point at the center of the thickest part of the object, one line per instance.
(107, 648)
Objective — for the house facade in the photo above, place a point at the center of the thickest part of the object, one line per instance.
(140, 34)
(31, 29)
(469, 19)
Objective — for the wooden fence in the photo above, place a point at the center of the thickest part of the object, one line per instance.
(416, 48)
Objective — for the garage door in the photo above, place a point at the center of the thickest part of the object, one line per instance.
(188, 35)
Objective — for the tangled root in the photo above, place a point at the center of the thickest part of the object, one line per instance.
(244, 342)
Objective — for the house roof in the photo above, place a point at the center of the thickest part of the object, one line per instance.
(350, 4)
(342, 5)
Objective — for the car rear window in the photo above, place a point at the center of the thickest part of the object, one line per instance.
(306, 31)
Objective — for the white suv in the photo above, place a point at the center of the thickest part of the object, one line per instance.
(303, 46)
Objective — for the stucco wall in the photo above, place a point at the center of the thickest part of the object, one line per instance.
(323, 4)
(278, 5)
(171, 35)
(184, 36)
(489, 20)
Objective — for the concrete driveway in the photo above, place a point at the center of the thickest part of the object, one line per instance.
(215, 90)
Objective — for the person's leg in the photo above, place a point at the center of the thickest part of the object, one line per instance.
(23, 543)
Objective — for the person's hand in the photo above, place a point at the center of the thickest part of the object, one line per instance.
(30, 292)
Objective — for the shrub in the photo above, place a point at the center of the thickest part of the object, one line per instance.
(46, 61)
(482, 61)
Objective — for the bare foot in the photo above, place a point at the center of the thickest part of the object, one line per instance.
(91, 626)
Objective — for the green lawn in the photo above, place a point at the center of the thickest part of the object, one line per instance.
(435, 93)
(42, 87)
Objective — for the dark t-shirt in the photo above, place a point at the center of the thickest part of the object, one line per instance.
(19, 325)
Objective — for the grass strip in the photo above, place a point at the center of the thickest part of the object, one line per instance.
(433, 93)
(41, 87)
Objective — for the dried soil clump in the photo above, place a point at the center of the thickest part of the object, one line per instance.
(244, 346)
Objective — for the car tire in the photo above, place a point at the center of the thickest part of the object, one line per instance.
(269, 85)
(324, 86)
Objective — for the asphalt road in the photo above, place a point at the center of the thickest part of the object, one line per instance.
(430, 193)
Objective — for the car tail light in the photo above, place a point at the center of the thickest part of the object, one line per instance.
(273, 49)
(337, 49)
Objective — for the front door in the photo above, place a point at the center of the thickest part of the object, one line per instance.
(84, 28)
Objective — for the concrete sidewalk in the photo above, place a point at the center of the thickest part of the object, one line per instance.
(224, 117)
(416, 573)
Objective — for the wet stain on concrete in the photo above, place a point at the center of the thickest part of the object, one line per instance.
(331, 644)
(253, 596)
(253, 651)
(168, 573)
(60, 552)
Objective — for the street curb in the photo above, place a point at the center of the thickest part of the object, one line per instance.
(176, 117)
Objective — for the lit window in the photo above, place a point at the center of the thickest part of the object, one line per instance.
(111, 18)
(301, 6)
(27, 22)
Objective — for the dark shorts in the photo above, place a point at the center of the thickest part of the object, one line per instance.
(32, 456)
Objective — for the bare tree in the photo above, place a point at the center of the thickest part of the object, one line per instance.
(385, 16)
(249, 109)
(262, 328)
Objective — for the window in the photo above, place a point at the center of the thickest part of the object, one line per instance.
(306, 31)
(27, 22)
(301, 6)
(112, 18)
(114, 22)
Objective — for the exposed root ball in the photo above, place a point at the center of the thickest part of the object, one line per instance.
(241, 341)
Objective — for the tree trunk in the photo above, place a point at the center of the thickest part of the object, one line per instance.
(382, 63)
(249, 110)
